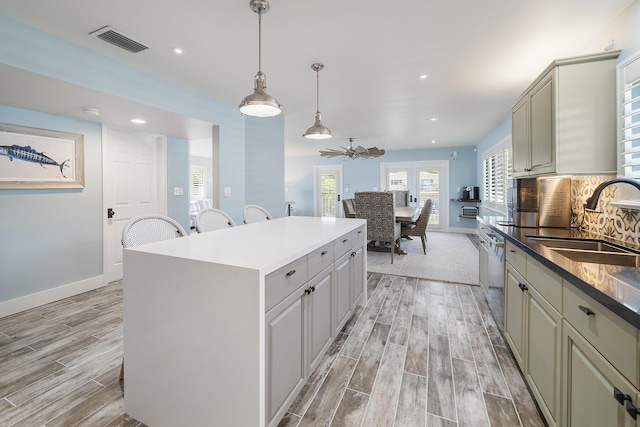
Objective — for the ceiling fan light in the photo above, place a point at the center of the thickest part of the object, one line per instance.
(318, 130)
(260, 103)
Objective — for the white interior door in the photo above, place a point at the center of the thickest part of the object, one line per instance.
(327, 191)
(133, 182)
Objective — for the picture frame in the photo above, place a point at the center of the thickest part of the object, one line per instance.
(40, 158)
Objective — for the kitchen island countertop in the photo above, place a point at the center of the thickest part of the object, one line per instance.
(615, 287)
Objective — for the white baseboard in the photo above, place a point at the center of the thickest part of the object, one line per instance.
(37, 299)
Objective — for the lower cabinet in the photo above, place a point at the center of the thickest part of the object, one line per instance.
(357, 271)
(596, 393)
(318, 304)
(342, 297)
(533, 331)
(285, 356)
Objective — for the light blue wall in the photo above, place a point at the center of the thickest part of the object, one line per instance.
(51, 237)
(264, 160)
(178, 176)
(364, 175)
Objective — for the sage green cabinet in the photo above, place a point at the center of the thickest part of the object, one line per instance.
(533, 328)
(589, 384)
(565, 122)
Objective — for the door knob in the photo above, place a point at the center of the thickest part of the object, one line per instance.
(110, 213)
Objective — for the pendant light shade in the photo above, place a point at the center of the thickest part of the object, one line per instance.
(259, 103)
(318, 130)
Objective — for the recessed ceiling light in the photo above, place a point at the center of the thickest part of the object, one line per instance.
(433, 141)
(138, 121)
(423, 76)
(177, 50)
(434, 119)
(91, 111)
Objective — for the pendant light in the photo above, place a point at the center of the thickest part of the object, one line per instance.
(318, 130)
(259, 103)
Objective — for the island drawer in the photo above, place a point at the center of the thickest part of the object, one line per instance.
(615, 339)
(282, 282)
(320, 259)
(517, 258)
(357, 237)
(343, 245)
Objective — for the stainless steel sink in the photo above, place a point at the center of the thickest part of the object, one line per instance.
(589, 250)
(626, 259)
(583, 244)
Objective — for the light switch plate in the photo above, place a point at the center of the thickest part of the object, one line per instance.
(227, 191)
(178, 191)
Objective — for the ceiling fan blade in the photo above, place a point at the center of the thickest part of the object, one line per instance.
(331, 153)
(360, 149)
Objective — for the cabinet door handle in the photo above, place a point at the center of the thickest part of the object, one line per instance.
(308, 291)
(354, 254)
(512, 251)
(522, 287)
(620, 396)
(324, 253)
(313, 289)
(631, 410)
(290, 273)
(528, 169)
(345, 240)
(586, 310)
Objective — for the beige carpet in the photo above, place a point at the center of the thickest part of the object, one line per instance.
(451, 257)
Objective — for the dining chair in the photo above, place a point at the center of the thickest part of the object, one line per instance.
(213, 219)
(149, 228)
(349, 208)
(419, 227)
(254, 213)
(378, 208)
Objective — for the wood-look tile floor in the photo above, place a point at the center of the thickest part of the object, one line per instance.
(420, 353)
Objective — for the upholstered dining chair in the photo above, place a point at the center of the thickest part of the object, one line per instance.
(378, 208)
(213, 219)
(419, 227)
(349, 208)
(254, 213)
(148, 229)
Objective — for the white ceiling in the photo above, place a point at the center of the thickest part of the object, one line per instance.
(479, 56)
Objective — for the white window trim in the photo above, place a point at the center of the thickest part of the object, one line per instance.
(486, 202)
(628, 71)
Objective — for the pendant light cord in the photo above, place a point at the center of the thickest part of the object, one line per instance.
(259, 42)
(317, 92)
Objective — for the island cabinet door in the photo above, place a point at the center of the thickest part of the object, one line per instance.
(596, 393)
(342, 302)
(357, 275)
(318, 303)
(285, 356)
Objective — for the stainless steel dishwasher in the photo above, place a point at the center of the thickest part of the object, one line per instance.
(491, 271)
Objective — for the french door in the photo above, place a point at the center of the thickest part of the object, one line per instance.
(327, 191)
(424, 180)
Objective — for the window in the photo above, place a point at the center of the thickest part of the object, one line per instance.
(198, 182)
(496, 169)
(629, 128)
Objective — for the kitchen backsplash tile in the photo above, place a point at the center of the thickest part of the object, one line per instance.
(613, 222)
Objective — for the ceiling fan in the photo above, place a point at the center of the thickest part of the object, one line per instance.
(353, 153)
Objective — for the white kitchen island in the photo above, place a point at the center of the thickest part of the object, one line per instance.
(223, 328)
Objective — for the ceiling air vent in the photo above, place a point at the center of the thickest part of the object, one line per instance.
(115, 37)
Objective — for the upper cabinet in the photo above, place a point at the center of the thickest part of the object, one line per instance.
(565, 122)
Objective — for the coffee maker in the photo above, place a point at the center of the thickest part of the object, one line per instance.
(471, 193)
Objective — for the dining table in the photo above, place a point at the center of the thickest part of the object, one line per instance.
(407, 213)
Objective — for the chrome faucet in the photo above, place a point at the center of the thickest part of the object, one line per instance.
(592, 201)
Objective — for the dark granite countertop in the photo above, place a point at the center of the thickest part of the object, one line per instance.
(616, 287)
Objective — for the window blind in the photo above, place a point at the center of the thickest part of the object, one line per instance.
(630, 130)
(496, 167)
(198, 183)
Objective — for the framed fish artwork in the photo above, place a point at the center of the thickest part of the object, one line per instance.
(40, 158)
